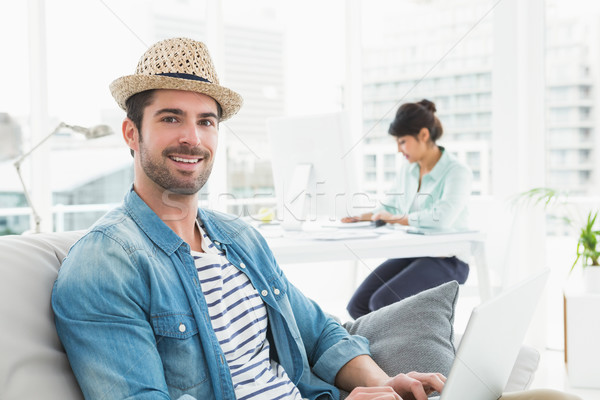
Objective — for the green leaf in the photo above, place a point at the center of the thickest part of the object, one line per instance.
(588, 236)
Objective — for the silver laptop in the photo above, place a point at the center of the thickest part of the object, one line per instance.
(491, 342)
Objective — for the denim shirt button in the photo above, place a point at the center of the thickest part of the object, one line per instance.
(264, 293)
(182, 328)
(276, 291)
(217, 243)
(242, 265)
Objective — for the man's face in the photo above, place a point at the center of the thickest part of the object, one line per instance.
(178, 141)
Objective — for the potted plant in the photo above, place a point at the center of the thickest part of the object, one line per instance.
(587, 241)
(586, 250)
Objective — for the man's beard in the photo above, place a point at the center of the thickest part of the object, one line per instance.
(158, 172)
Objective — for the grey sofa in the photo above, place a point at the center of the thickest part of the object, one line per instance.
(33, 364)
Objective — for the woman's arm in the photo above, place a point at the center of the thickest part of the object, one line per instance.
(443, 211)
(357, 218)
(391, 218)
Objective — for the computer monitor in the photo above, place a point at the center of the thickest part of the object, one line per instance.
(314, 168)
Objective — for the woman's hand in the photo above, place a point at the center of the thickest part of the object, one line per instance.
(362, 217)
(390, 218)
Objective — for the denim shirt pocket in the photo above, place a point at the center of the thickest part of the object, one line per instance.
(180, 349)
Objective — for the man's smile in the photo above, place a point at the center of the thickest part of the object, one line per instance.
(185, 160)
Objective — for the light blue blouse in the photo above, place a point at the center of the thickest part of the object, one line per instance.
(442, 199)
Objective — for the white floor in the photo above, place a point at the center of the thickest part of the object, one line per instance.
(551, 373)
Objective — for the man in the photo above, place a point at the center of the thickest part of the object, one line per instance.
(161, 299)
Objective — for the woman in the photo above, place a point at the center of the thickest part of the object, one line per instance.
(432, 192)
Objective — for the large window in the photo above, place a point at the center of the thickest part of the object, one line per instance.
(285, 59)
(295, 58)
(65, 53)
(439, 50)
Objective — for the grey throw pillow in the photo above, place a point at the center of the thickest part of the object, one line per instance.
(415, 334)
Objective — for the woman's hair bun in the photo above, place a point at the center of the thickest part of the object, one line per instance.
(412, 117)
(429, 105)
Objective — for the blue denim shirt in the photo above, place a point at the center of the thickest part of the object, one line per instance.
(132, 317)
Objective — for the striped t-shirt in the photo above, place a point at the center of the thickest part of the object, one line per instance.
(239, 319)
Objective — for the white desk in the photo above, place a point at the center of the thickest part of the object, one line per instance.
(299, 248)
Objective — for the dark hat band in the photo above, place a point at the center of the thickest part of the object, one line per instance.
(184, 76)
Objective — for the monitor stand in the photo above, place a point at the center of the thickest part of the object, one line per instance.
(296, 198)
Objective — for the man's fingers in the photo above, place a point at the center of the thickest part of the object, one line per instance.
(432, 382)
(374, 393)
(417, 389)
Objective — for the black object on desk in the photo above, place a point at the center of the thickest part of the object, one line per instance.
(379, 223)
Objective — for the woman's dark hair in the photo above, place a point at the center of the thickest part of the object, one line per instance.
(412, 117)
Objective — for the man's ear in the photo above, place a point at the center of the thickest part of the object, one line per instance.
(130, 134)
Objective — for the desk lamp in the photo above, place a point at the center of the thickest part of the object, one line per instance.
(89, 133)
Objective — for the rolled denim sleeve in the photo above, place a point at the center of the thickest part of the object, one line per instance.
(102, 321)
(332, 360)
(327, 344)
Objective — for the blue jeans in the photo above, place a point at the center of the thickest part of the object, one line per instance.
(399, 278)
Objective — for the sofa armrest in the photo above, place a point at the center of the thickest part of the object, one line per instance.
(33, 364)
(523, 371)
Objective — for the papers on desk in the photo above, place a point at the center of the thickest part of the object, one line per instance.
(349, 225)
(326, 230)
(369, 230)
(434, 231)
(338, 235)
(318, 233)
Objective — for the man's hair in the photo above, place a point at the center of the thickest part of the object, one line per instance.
(136, 104)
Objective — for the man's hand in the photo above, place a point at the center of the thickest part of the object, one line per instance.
(373, 393)
(417, 385)
(411, 386)
(368, 381)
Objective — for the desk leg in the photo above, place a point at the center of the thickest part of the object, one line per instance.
(358, 276)
(478, 251)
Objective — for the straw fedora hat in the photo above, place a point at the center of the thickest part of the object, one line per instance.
(177, 63)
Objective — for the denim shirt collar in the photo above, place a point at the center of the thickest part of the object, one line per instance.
(151, 224)
(164, 237)
(221, 227)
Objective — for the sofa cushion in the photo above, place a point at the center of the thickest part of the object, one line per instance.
(524, 369)
(33, 364)
(415, 334)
